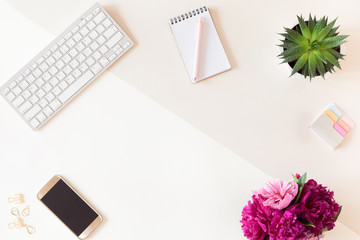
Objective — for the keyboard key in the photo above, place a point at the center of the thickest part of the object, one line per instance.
(100, 29)
(33, 99)
(24, 84)
(101, 40)
(90, 16)
(12, 85)
(82, 23)
(6, 91)
(57, 55)
(26, 94)
(33, 66)
(55, 104)
(54, 48)
(70, 43)
(46, 76)
(47, 87)
(63, 85)
(87, 41)
(75, 29)
(37, 72)
(91, 25)
(97, 55)
(60, 76)
(96, 68)
(94, 46)
(110, 31)
(66, 58)
(81, 57)
(41, 117)
(44, 67)
(68, 93)
(80, 47)
(93, 35)
(56, 91)
(60, 64)
(70, 79)
(67, 70)
(73, 52)
(17, 91)
(40, 60)
(19, 79)
(99, 18)
(90, 61)
(83, 67)
(77, 37)
(40, 93)
(43, 103)
(119, 51)
(115, 39)
(10, 96)
(53, 70)
(76, 73)
(26, 106)
(30, 78)
(74, 63)
(33, 88)
(61, 42)
(112, 57)
(50, 61)
(104, 61)
(47, 54)
(48, 111)
(34, 123)
(50, 97)
(32, 112)
(87, 52)
(39, 82)
(54, 81)
(96, 11)
(84, 31)
(107, 23)
(103, 49)
(18, 101)
(64, 49)
(68, 35)
(126, 44)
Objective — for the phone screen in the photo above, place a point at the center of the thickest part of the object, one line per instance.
(69, 207)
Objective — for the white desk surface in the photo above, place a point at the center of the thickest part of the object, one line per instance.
(150, 173)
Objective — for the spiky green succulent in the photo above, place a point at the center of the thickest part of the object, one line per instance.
(312, 48)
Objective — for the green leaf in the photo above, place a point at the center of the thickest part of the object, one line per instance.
(307, 223)
(334, 39)
(297, 200)
(318, 27)
(292, 58)
(338, 214)
(304, 28)
(321, 56)
(324, 32)
(335, 53)
(311, 23)
(330, 58)
(292, 51)
(320, 67)
(312, 65)
(300, 63)
(332, 32)
(296, 37)
(288, 44)
(332, 44)
(305, 71)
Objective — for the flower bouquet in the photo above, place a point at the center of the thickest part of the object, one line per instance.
(296, 210)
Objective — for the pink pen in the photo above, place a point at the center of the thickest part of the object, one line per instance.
(197, 52)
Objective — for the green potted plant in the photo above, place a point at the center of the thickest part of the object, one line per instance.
(312, 48)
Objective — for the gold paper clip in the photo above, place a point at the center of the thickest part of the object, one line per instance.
(15, 212)
(30, 229)
(26, 211)
(16, 198)
(18, 222)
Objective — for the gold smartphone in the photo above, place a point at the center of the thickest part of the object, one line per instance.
(60, 198)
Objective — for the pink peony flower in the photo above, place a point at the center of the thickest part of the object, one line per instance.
(279, 194)
(256, 219)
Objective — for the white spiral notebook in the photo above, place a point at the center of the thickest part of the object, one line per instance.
(213, 59)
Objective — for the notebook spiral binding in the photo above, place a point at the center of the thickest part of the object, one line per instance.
(187, 15)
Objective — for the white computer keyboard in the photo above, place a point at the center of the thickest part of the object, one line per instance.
(66, 66)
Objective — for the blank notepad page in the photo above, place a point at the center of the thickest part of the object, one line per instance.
(213, 59)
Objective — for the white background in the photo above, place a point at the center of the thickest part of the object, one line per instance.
(149, 173)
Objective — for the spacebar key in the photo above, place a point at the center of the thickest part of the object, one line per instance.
(68, 93)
